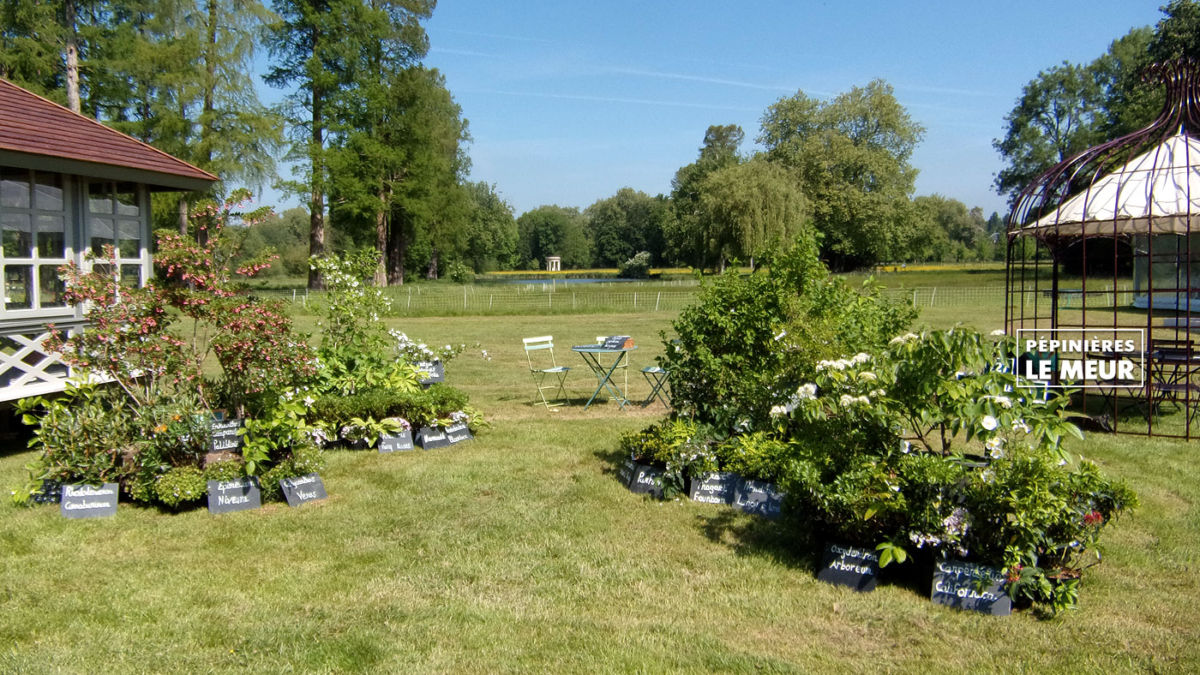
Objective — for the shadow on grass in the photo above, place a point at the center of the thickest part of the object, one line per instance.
(782, 541)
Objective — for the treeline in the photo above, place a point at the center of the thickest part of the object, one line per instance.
(380, 146)
(840, 166)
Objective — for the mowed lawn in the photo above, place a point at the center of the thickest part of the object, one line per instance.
(519, 552)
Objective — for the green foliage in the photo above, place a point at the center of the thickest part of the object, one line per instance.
(932, 443)
(946, 231)
(758, 455)
(421, 407)
(624, 224)
(225, 469)
(1060, 113)
(683, 228)
(459, 273)
(354, 351)
(637, 267)
(78, 434)
(750, 340)
(851, 154)
(492, 230)
(749, 209)
(180, 485)
(553, 231)
(273, 435)
(682, 447)
(303, 460)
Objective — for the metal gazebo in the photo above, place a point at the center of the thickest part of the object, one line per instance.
(1108, 241)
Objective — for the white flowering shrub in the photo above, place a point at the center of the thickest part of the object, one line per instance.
(933, 446)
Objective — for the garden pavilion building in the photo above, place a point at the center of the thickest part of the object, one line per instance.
(68, 186)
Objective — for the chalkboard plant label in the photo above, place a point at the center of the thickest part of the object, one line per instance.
(89, 501)
(401, 441)
(430, 372)
(976, 588)
(239, 494)
(850, 566)
(225, 436)
(457, 433)
(302, 489)
(626, 471)
(758, 497)
(647, 480)
(714, 488)
(431, 438)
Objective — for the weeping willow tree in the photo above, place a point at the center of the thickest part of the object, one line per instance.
(750, 208)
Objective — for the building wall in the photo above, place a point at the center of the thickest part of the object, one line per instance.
(48, 219)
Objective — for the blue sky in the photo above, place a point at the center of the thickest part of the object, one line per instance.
(570, 101)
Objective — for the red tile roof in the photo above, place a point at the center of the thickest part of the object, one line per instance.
(34, 125)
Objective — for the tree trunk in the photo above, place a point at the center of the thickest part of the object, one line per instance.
(396, 249)
(183, 216)
(72, 58)
(432, 272)
(316, 232)
(381, 238)
(210, 85)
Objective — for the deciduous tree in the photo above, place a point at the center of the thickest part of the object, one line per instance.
(851, 155)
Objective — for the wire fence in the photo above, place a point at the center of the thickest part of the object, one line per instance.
(546, 298)
(475, 301)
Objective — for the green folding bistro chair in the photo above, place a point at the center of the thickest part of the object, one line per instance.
(656, 377)
(540, 374)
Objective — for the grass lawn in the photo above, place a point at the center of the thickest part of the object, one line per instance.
(520, 552)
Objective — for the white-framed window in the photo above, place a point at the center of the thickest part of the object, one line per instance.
(117, 216)
(36, 238)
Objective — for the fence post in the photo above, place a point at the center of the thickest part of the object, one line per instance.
(656, 300)
(635, 299)
(932, 296)
(489, 301)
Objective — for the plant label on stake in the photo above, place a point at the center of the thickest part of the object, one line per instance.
(714, 488)
(850, 566)
(430, 438)
(89, 501)
(239, 494)
(647, 480)
(302, 489)
(626, 471)
(225, 436)
(457, 433)
(432, 372)
(398, 442)
(758, 497)
(971, 587)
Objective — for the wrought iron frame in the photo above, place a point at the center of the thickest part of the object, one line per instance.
(1038, 296)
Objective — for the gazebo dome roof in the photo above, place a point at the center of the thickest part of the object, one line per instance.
(1153, 193)
(1146, 182)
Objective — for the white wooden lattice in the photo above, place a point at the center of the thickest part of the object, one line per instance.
(27, 368)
